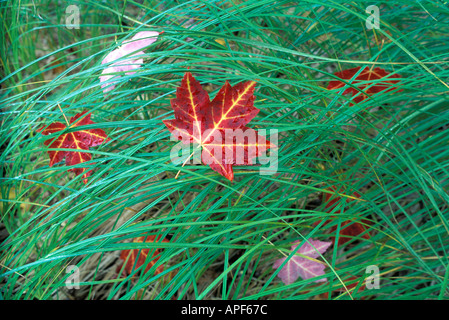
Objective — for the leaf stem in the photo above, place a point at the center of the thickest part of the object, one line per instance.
(66, 121)
(176, 177)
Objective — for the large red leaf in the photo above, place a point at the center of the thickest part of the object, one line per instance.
(80, 140)
(218, 126)
(349, 229)
(364, 82)
(130, 256)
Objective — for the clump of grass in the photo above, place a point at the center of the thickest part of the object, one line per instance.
(224, 237)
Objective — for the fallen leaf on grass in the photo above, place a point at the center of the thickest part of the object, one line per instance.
(302, 267)
(80, 140)
(131, 62)
(130, 256)
(364, 82)
(218, 126)
(349, 229)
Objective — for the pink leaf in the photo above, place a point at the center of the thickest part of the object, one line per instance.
(302, 267)
(140, 40)
(131, 62)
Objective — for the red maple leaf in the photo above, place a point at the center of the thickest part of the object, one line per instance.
(130, 256)
(349, 229)
(364, 82)
(80, 140)
(218, 126)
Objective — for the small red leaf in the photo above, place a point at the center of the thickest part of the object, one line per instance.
(331, 200)
(349, 229)
(80, 140)
(130, 256)
(364, 82)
